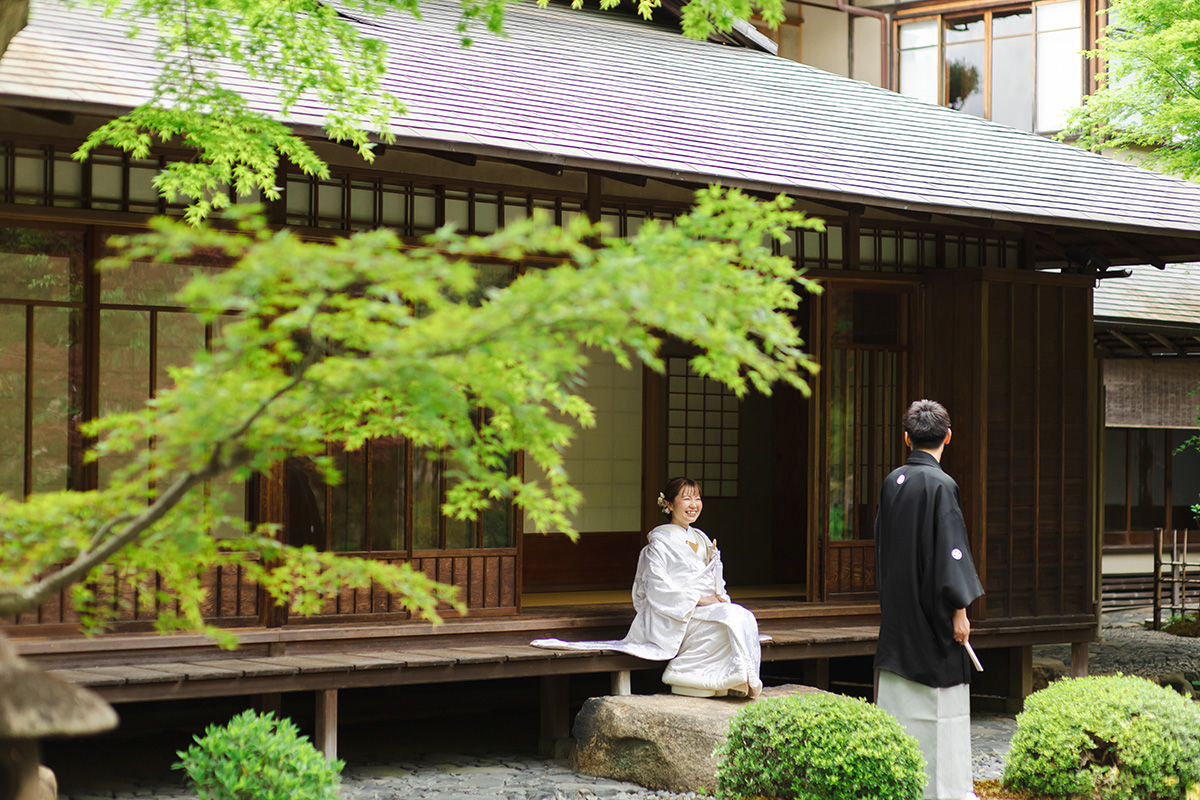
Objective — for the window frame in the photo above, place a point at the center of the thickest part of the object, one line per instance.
(1089, 25)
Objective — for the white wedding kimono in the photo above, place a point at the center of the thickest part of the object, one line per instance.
(712, 648)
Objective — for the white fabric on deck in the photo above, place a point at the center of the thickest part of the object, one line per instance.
(713, 647)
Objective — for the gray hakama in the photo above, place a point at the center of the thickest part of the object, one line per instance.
(940, 720)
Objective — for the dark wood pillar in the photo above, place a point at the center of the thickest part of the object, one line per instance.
(327, 722)
(555, 738)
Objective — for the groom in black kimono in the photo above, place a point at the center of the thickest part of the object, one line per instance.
(926, 581)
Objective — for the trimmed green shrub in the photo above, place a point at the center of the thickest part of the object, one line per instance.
(258, 757)
(819, 747)
(1111, 737)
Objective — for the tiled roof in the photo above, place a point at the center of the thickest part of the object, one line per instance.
(599, 90)
(1170, 296)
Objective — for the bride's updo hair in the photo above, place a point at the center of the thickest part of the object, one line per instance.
(674, 487)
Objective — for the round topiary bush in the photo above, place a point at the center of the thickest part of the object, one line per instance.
(1106, 737)
(819, 747)
(258, 757)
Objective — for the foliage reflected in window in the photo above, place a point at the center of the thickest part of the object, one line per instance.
(965, 52)
(42, 360)
(867, 370)
(391, 493)
(1034, 74)
(1151, 479)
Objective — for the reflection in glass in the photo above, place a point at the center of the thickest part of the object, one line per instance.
(347, 511)
(964, 29)
(1059, 76)
(55, 408)
(1012, 23)
(866, 370)
(498, 524)
(919, 60)
(1147, 464)
(1185, 479)
(12, 395)
(387, 494)
(460, 533)
(41, 264)
(180, 337)
(965, 55)
(1057, 16)
(427, 506)
(1114, 479)
(148, 283)
(124, 371)
(1012, 84)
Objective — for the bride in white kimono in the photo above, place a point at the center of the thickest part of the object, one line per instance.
(684, 614)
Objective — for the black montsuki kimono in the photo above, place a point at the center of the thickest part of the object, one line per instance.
(925, 573)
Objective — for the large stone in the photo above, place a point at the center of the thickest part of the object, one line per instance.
(660, 741)
(1046, 671)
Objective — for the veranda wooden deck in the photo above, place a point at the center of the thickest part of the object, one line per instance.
(323, 660)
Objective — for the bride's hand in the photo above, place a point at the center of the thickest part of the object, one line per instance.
(708, 601)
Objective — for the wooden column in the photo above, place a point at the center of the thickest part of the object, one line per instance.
(555, 737)
(816, 672)
(1020, 677)
(271, 703)
(1079, 659)
(622, 683)
(326, 734)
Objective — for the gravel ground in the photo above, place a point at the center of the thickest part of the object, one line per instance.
(1130, 648)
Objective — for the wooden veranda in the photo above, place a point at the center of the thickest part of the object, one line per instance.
(810, 640)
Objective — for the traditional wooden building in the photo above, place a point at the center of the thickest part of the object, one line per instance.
(1148, 338)
(958, 263)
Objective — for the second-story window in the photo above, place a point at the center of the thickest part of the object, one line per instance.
(1017, 65)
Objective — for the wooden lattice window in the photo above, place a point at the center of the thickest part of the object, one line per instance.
(703, 419)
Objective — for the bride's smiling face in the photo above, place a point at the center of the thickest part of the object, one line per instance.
(686, 507)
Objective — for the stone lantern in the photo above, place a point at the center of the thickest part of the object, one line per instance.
(33, 705)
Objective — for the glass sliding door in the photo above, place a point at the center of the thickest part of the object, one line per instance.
(867, 384)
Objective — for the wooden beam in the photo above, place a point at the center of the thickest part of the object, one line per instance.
(1137, 348)
(327, 714)
(622, 177)
(1043, 240)
(545, 168)
(1167, 343)
(919, 216)
(974, 222)
(467, 159)
(1140, 253)
(57, 117)
(848, 208)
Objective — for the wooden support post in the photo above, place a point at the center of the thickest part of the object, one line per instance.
(327, 722)
(555, 738)
(622, 682)
(1158, 565)
(271, 703)
(816, 672)
(1020, 678)
(1079, 659)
